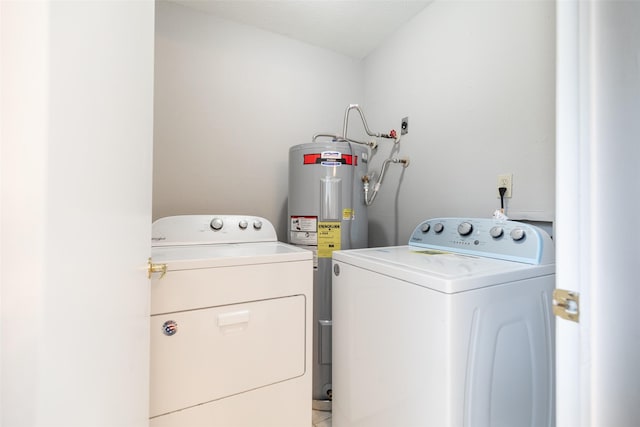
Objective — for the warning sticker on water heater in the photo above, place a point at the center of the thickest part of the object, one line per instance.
(330, 158)
(304, 230)
(328, 238)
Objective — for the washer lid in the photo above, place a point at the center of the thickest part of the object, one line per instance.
(189, 257)
(442, 271)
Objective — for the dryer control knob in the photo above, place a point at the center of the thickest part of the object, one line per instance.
(517, 234)
(496, 232)
(438, 227)
(465, 228)
(216, 224)
(425, 227)
(243, 224)
(257, 224)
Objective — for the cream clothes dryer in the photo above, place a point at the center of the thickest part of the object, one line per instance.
(230, 324)
(455, 329)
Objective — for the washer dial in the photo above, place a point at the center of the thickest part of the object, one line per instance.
(517, 234)
(465, 228)
(496, 232)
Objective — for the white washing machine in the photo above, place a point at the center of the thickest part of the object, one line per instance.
(455, 329)
(231, 324)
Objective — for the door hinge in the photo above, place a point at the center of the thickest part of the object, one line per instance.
(566, 304)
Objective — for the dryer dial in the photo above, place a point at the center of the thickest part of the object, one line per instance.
(216, 224)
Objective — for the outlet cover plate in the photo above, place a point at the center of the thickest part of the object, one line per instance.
(404, 126)
(505, 180)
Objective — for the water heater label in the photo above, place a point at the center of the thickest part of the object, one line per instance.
(328, 238)
(331, 155)
(330, 158)
(304, 230)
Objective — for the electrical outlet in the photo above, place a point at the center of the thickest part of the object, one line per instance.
(404, 126)
(505, 180)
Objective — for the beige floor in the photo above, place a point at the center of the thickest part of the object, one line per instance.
(321, 419)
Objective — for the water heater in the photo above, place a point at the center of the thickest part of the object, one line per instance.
(326, 212)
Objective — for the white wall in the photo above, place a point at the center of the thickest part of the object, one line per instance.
(230, 101)
(477, 82)
(475, 78)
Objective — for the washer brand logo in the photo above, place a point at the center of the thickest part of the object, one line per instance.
(169, 328)
(157, 239)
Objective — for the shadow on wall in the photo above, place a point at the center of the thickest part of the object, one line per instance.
(381, 235)
(282, 226)
(378, 235)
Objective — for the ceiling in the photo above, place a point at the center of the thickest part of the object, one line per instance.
(351, 27)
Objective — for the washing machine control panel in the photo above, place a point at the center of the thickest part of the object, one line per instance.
(183, 230)
(500, 239)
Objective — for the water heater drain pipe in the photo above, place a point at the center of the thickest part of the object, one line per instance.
(369, 197)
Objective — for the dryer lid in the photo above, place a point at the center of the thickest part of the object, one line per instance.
(190, 257)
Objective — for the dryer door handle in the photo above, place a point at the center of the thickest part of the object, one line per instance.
(233, 318)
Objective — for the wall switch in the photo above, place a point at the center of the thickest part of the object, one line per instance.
(505, 180)
(404, 126)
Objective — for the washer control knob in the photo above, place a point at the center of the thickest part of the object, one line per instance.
(216, 224)
(465, 228)
(243, 224)
(517, 234)
(438, 228)
(496, 232)
(425, 227)
(257, 224)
